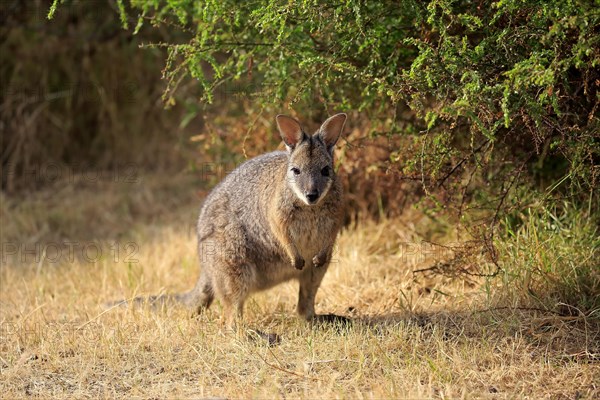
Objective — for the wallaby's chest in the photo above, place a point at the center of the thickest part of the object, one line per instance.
(310, 231)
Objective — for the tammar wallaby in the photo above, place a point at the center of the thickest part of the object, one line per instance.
(274, 218)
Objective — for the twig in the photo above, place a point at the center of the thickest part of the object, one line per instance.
(517, 308)
(461, 162)
(99, 315)
(287, 371)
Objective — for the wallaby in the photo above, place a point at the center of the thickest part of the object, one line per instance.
(274, 218)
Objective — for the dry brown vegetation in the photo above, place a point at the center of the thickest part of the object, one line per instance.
(413, 336)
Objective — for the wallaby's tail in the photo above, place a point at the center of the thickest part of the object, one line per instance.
(197, 299)
(154, 300)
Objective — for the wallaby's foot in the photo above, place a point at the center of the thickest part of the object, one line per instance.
(331, 319)
(272, 339)
(298, 263)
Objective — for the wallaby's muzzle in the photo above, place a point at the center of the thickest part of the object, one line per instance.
(312, 197)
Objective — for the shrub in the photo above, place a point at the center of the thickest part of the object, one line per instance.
(498, 92)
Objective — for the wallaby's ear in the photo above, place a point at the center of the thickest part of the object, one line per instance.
(331, 130)
(290, 130)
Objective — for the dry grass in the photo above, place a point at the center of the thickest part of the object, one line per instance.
(413, 336)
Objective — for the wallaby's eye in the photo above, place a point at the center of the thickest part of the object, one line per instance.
(296, 171)
(325, 171)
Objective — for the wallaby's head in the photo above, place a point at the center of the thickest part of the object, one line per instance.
(310, 171)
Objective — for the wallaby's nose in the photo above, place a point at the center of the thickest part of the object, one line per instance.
(312, 196)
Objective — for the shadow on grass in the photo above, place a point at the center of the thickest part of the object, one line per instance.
(549, 335)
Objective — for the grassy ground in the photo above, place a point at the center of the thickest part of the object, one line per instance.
(414, 336)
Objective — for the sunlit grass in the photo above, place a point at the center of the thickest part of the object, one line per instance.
(552, 260)
(414, 336)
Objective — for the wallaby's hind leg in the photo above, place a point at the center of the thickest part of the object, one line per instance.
(232, 287)
(310, 280)
(233, 313)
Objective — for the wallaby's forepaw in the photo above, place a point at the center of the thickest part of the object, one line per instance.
(298, 263)
(319, 260)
